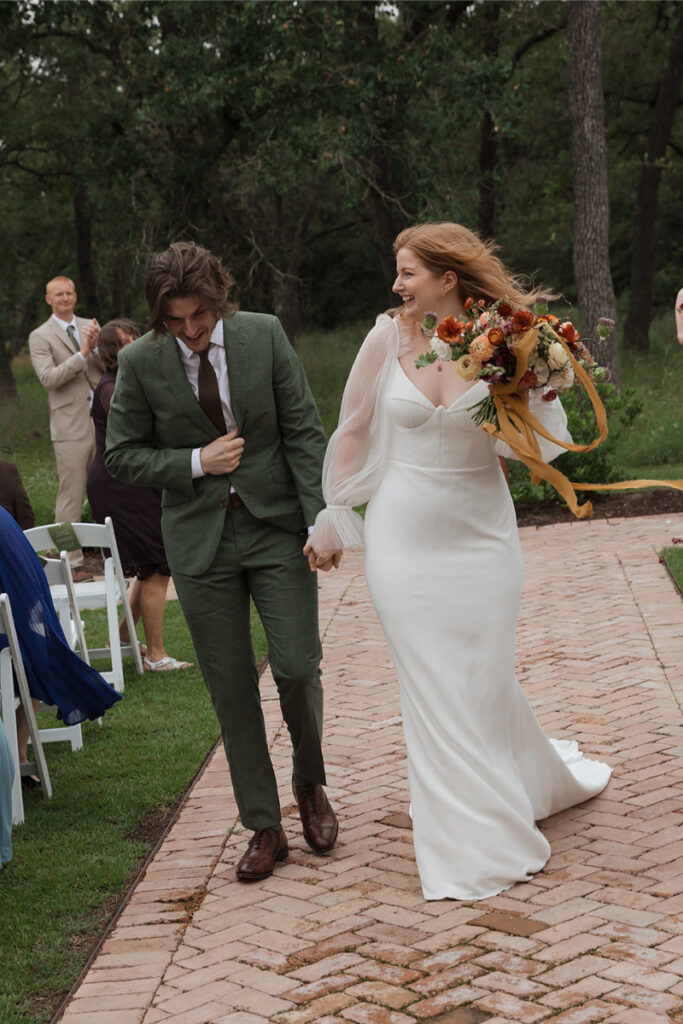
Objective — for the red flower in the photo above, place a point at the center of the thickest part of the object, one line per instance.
(549, 396)
(495, 335)
(568, 332)
(450, 330)
(505, 309)
(527, 380)
(522, 320)
(469, 303)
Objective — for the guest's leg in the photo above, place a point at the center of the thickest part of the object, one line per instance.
(73, 460)
(22, 731)
(152, 609)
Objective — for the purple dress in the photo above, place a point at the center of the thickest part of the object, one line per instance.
(135, 511)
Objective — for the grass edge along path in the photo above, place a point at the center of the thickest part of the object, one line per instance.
(75, 856)
(673, 560)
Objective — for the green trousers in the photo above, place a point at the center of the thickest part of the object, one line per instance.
(259, 560)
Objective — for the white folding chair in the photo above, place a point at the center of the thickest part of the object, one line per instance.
(10, 657)
(58, 573)
(99, 593)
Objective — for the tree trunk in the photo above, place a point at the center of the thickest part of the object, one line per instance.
(86, 270)
(8, 388)
(636, 329)
(487, 144)
(591, 200)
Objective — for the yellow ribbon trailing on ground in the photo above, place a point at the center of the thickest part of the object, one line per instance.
(518, 427)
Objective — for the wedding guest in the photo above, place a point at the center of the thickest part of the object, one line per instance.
(443, 565)
(56, 675)
(13, 495)
(135, 513)
(63, 356)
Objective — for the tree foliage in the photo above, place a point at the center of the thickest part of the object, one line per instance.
(296, 139)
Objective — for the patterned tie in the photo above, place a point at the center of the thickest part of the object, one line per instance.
(208, 394)
(71, 331)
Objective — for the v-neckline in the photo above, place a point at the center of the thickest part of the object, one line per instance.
(446, 408)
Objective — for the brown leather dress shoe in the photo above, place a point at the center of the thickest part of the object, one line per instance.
(319, 821)
(266, 846)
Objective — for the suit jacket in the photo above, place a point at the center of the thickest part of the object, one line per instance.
(13, 496)
(69, 380)
(155, 422)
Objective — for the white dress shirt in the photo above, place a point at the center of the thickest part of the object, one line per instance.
(218, 360)
(71, 323)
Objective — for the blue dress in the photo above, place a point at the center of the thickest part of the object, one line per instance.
(55, 673)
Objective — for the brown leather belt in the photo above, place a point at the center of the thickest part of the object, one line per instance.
(234, 500)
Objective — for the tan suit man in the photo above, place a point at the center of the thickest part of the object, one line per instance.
(62, 353)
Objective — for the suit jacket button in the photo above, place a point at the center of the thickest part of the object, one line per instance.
(222, 503)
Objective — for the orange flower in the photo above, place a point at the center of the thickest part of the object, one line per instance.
(568, 332)
(522, 320)
(552, 319)
(481, 348)
(495, 335)
(469, 303)
(450, 330)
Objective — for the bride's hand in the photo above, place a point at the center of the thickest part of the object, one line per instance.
(323, 560)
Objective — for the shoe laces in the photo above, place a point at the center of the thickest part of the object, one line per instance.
(257, 838)
(309, 793)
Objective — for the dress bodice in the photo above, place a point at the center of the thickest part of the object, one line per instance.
(436, 437)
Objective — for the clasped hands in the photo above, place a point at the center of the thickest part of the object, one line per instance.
(324, 560)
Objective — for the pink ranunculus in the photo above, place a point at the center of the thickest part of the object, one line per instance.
(483, 319)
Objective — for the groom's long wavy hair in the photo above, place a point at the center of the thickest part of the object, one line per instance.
(186, 269)
(481, 273)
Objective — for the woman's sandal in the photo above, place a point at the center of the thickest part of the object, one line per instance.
(166, 664)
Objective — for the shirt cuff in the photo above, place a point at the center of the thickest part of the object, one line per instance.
(310, 530)
(197, 464)
(82, 356)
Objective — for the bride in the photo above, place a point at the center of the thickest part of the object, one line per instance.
(443, 565)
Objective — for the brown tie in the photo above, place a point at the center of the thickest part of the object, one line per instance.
(208, 394)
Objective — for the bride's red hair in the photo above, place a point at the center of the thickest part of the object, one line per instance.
(481, 273)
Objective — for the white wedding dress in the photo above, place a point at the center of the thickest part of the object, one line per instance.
(443, 565)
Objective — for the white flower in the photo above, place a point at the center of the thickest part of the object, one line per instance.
(563, 379)
(557, 357)
(442, 349)
(541, 369)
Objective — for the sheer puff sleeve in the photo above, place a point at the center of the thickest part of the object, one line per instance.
(357, 452)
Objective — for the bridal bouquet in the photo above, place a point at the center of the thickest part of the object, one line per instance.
(489, 344)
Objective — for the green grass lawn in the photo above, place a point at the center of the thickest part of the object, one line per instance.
(673, 559)
(75, 852)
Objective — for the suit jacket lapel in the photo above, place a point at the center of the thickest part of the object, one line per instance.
(180, 387)
(237, 358)
(59, 335)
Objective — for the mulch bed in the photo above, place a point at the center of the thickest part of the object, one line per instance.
(616, 505)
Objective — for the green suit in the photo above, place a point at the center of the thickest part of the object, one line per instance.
(219, 557)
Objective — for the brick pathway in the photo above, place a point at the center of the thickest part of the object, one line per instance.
(596, 937)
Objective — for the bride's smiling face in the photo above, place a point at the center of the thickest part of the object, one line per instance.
(419, 288)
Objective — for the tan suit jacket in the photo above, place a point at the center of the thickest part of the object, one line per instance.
(67, 378)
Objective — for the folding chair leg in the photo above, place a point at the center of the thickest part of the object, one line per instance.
(116, 677)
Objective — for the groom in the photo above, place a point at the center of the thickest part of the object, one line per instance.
(213, 406)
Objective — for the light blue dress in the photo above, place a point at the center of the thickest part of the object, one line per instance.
(6, 780)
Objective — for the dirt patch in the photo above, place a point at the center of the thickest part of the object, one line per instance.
(616, 505)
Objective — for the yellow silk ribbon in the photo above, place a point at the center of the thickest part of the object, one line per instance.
(518, 428)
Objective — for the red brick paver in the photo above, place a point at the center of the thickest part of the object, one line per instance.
(348, 937)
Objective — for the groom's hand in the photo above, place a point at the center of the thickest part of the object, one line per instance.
(222, 455)
(324, 560)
